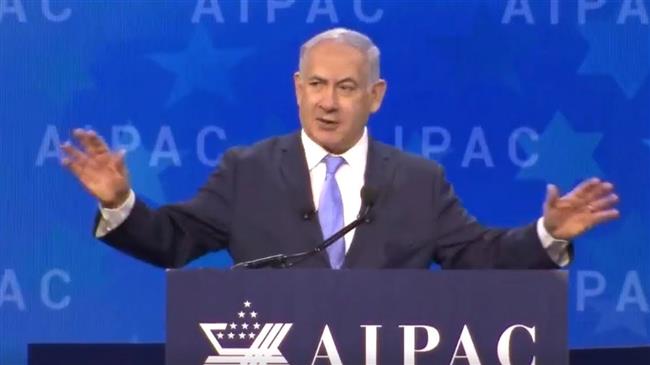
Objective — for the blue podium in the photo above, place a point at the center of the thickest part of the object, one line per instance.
(366, 317)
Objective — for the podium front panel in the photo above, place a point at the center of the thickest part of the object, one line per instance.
(364, 317)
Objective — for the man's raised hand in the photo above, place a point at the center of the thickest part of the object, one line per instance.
(101, 171)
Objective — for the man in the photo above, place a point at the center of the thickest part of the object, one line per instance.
(286, 194)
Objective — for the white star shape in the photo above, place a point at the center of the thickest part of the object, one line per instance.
(253, 314)
(247, 304)
(219, 335)
(231, 335)
(242, 335)
(241, 314)
(251, 335)
(233, 326)
(256, 326)
(244, 326)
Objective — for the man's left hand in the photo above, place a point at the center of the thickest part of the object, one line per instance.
(587, 205)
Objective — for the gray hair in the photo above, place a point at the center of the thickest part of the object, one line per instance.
(351, 38)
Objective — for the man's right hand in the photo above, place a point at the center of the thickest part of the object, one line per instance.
(101, 171)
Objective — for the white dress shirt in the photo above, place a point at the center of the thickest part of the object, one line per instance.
(350, 178)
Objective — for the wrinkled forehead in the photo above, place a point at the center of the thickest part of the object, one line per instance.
(330, 58)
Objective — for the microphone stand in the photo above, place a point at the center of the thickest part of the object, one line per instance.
(286, 261)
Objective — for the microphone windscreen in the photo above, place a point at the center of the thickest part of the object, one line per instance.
(369, 195)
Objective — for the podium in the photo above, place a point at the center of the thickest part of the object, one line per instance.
(366, 317)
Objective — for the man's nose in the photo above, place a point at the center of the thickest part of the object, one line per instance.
(329, 100)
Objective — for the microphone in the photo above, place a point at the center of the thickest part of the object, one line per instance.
(307, 214)
(368, 198)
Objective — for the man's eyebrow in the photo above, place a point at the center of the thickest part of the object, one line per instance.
(347, 79)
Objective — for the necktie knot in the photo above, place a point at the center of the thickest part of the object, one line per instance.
(333, 163)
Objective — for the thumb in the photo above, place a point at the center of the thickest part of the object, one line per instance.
(552, 195)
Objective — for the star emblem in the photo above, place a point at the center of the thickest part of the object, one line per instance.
(632, 320)
(565, 156)
(200, 66)
(619, 51)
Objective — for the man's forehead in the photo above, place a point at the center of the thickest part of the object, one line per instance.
(330, 50)
(330, 45)
(335, 63)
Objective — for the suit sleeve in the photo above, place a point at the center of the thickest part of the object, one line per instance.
(463, 243)
(176, 234)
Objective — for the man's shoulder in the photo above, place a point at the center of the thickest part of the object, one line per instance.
(406, 159)
(264, 148)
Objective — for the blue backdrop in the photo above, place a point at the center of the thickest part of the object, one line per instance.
(508, 95)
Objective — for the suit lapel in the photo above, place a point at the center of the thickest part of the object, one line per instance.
(295, 175)
(380, 170)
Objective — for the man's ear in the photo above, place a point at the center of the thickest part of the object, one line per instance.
(297, 84)
(377, 92)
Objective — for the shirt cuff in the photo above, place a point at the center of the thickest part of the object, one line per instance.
(558, 250)
(112, 218)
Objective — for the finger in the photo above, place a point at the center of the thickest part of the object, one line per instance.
(72, 152)
(118, 161)
(74, 167)
(605, 216)
(601, 190)
(88, 140)
(604, 203)
(75, 160)
(95, 142)
(582, 190)
(552, 195)
(80, 136)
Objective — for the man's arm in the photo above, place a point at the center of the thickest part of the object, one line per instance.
(558, 250)
(111, 218)
(464, 243)
(168, 237)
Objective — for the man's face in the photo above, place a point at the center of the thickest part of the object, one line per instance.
(334, 97)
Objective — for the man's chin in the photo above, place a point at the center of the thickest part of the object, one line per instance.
(330, 145)
(336, 148)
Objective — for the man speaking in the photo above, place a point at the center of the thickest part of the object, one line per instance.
(287, 194)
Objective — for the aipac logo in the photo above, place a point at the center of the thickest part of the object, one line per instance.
(246, 341)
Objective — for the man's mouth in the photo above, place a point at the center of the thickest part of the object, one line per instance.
(327, 121)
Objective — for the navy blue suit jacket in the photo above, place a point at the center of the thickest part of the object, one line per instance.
(255, 205)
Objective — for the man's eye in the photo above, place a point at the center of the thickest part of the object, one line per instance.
(347, 87)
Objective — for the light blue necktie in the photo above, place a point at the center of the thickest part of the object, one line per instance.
(330, 211)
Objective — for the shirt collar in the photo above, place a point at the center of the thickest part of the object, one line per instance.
(355, 156)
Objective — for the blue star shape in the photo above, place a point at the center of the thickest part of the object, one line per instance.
(564, 156)
(619, 50)
(628, 243)
(632, 320)
(201, 67)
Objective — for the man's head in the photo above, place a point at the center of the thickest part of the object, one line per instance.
(338, 87)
